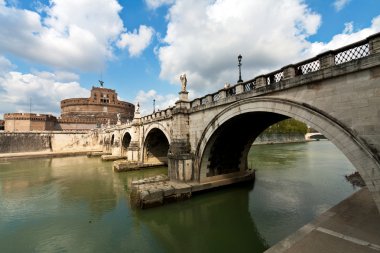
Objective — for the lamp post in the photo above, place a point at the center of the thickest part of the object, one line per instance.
(239, 65)
(154, 105)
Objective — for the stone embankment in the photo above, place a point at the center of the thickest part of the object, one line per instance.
(159, 190)
(49, 141)
(97, 154)
(351, 226)
(41, 154)
(279, 138)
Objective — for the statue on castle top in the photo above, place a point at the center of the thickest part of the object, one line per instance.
(183, 81)
(101, 83)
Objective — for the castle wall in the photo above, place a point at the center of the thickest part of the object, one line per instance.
(18, 122)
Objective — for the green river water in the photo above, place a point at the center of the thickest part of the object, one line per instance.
(77, 204)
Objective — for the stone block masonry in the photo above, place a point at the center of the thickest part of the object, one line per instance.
(48, 141)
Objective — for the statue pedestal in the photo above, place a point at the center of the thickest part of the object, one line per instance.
(183, 96)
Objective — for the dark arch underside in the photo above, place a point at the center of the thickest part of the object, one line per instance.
(156, 147)
(126, 140)
(229, 145)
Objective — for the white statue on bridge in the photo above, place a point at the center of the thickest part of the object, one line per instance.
(138, 108)
(118, 119)
(183, 81)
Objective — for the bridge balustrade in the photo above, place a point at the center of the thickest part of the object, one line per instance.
(204, 100)
(248, 86)
(308, 66)
(215, 97)
(352, 54)
(231, 91)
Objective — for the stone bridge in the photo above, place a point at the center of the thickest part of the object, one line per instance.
(207, 139)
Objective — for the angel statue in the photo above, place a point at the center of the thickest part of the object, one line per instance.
(138, 107)
(183, 81)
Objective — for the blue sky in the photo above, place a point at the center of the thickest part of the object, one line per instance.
(51, 50)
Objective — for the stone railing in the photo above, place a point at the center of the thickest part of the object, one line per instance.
(159, 115)
(360, 49)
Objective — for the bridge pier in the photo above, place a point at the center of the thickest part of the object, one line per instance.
(180, 159)
(180, 167)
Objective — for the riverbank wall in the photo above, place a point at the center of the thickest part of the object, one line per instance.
(351, 226)
(279, 138)
(48, 141)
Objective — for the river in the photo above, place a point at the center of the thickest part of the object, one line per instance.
(77, 204)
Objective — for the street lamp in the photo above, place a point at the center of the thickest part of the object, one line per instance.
(154, 105)
(239, 65)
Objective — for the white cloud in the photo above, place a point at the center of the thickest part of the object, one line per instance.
(348, 28)
(204, 43)
(346, 37)
(145, 99)
(5, 65)
(154, 4)
(69, 34)
(44, 89)
(340, 4)
(136, 41)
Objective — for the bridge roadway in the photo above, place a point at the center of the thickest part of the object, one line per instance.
(336, 93)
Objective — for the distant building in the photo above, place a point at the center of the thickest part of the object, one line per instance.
(102, 106)
(21, 122)
(76, 114)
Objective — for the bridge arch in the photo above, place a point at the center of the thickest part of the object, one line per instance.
(263, 112)
(126, 140)
(159, 126)
(112, 139)
(156, 145)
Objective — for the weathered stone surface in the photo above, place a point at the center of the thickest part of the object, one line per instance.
(56, 141)
(97, 154)
(125, 165)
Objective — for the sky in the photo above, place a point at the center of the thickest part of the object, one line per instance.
(56, 49)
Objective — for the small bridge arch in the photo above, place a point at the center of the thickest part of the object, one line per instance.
(126, 139)
(314, 136)
(156, 144)
(277, 109)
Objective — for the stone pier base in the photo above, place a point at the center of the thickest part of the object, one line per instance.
(124, 165)
(156, 193)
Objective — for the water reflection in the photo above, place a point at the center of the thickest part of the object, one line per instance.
(294, 184)
(213, 222)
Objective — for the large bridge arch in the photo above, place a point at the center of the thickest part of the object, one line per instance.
(272, 110)
(156, 144)
(159, 126)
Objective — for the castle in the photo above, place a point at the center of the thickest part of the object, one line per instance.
(102, 107)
